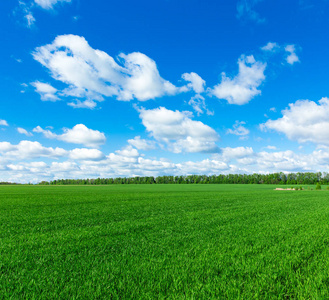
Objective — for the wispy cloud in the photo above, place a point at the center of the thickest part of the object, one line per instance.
(245, 10)
(49, 4)
(25, 9)
(240, 130)
(198, 103)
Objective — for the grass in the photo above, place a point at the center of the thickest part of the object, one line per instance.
(163, 242)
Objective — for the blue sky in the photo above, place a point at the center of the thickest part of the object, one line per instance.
(105, 89)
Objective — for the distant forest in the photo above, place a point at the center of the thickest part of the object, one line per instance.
(275, 178)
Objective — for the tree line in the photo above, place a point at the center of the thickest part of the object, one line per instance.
(274, 178)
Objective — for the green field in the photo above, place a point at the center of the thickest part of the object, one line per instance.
(163, 242)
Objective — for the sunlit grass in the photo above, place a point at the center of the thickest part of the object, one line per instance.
(163, 241)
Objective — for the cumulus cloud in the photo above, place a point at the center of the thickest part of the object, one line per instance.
(244, 158)
(286, 161)
(24, 131)
(62, 168)
(239, 129)
(303, 121)
(142, 144)
(28, 150)
(86, 154)
(46, 91)
(128, 151)
(79, 134)
(292, 56)
(206, 166)
(227, 154)
(179, 131)
(91, 74)
(197, 84)
(198, 103)
(243, 87)
(3, 123)
(91, 163)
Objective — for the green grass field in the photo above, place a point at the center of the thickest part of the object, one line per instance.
(163, 242)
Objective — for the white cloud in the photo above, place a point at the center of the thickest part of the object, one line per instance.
(28, 150)
(92, 74)
(49, 4)
(91, 163)
(289, 50)
(304, 121)
(243, 87)
(239, 129)
(79, 134)
(128, 151)
(46, 91)
(142, 144)
(47, 133)
(178, 131)
(122, 161)
(63, 168)
(6, 146)
(292, 57)
(144, 82)
(270, 47)
(3, 123)
(32, 167)
(196, 82)
(86, 154)
(24, 131)
(227, 154)
(286, 161)
(206, 166)
(198, 103)
(246, 159)
(194, 144)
